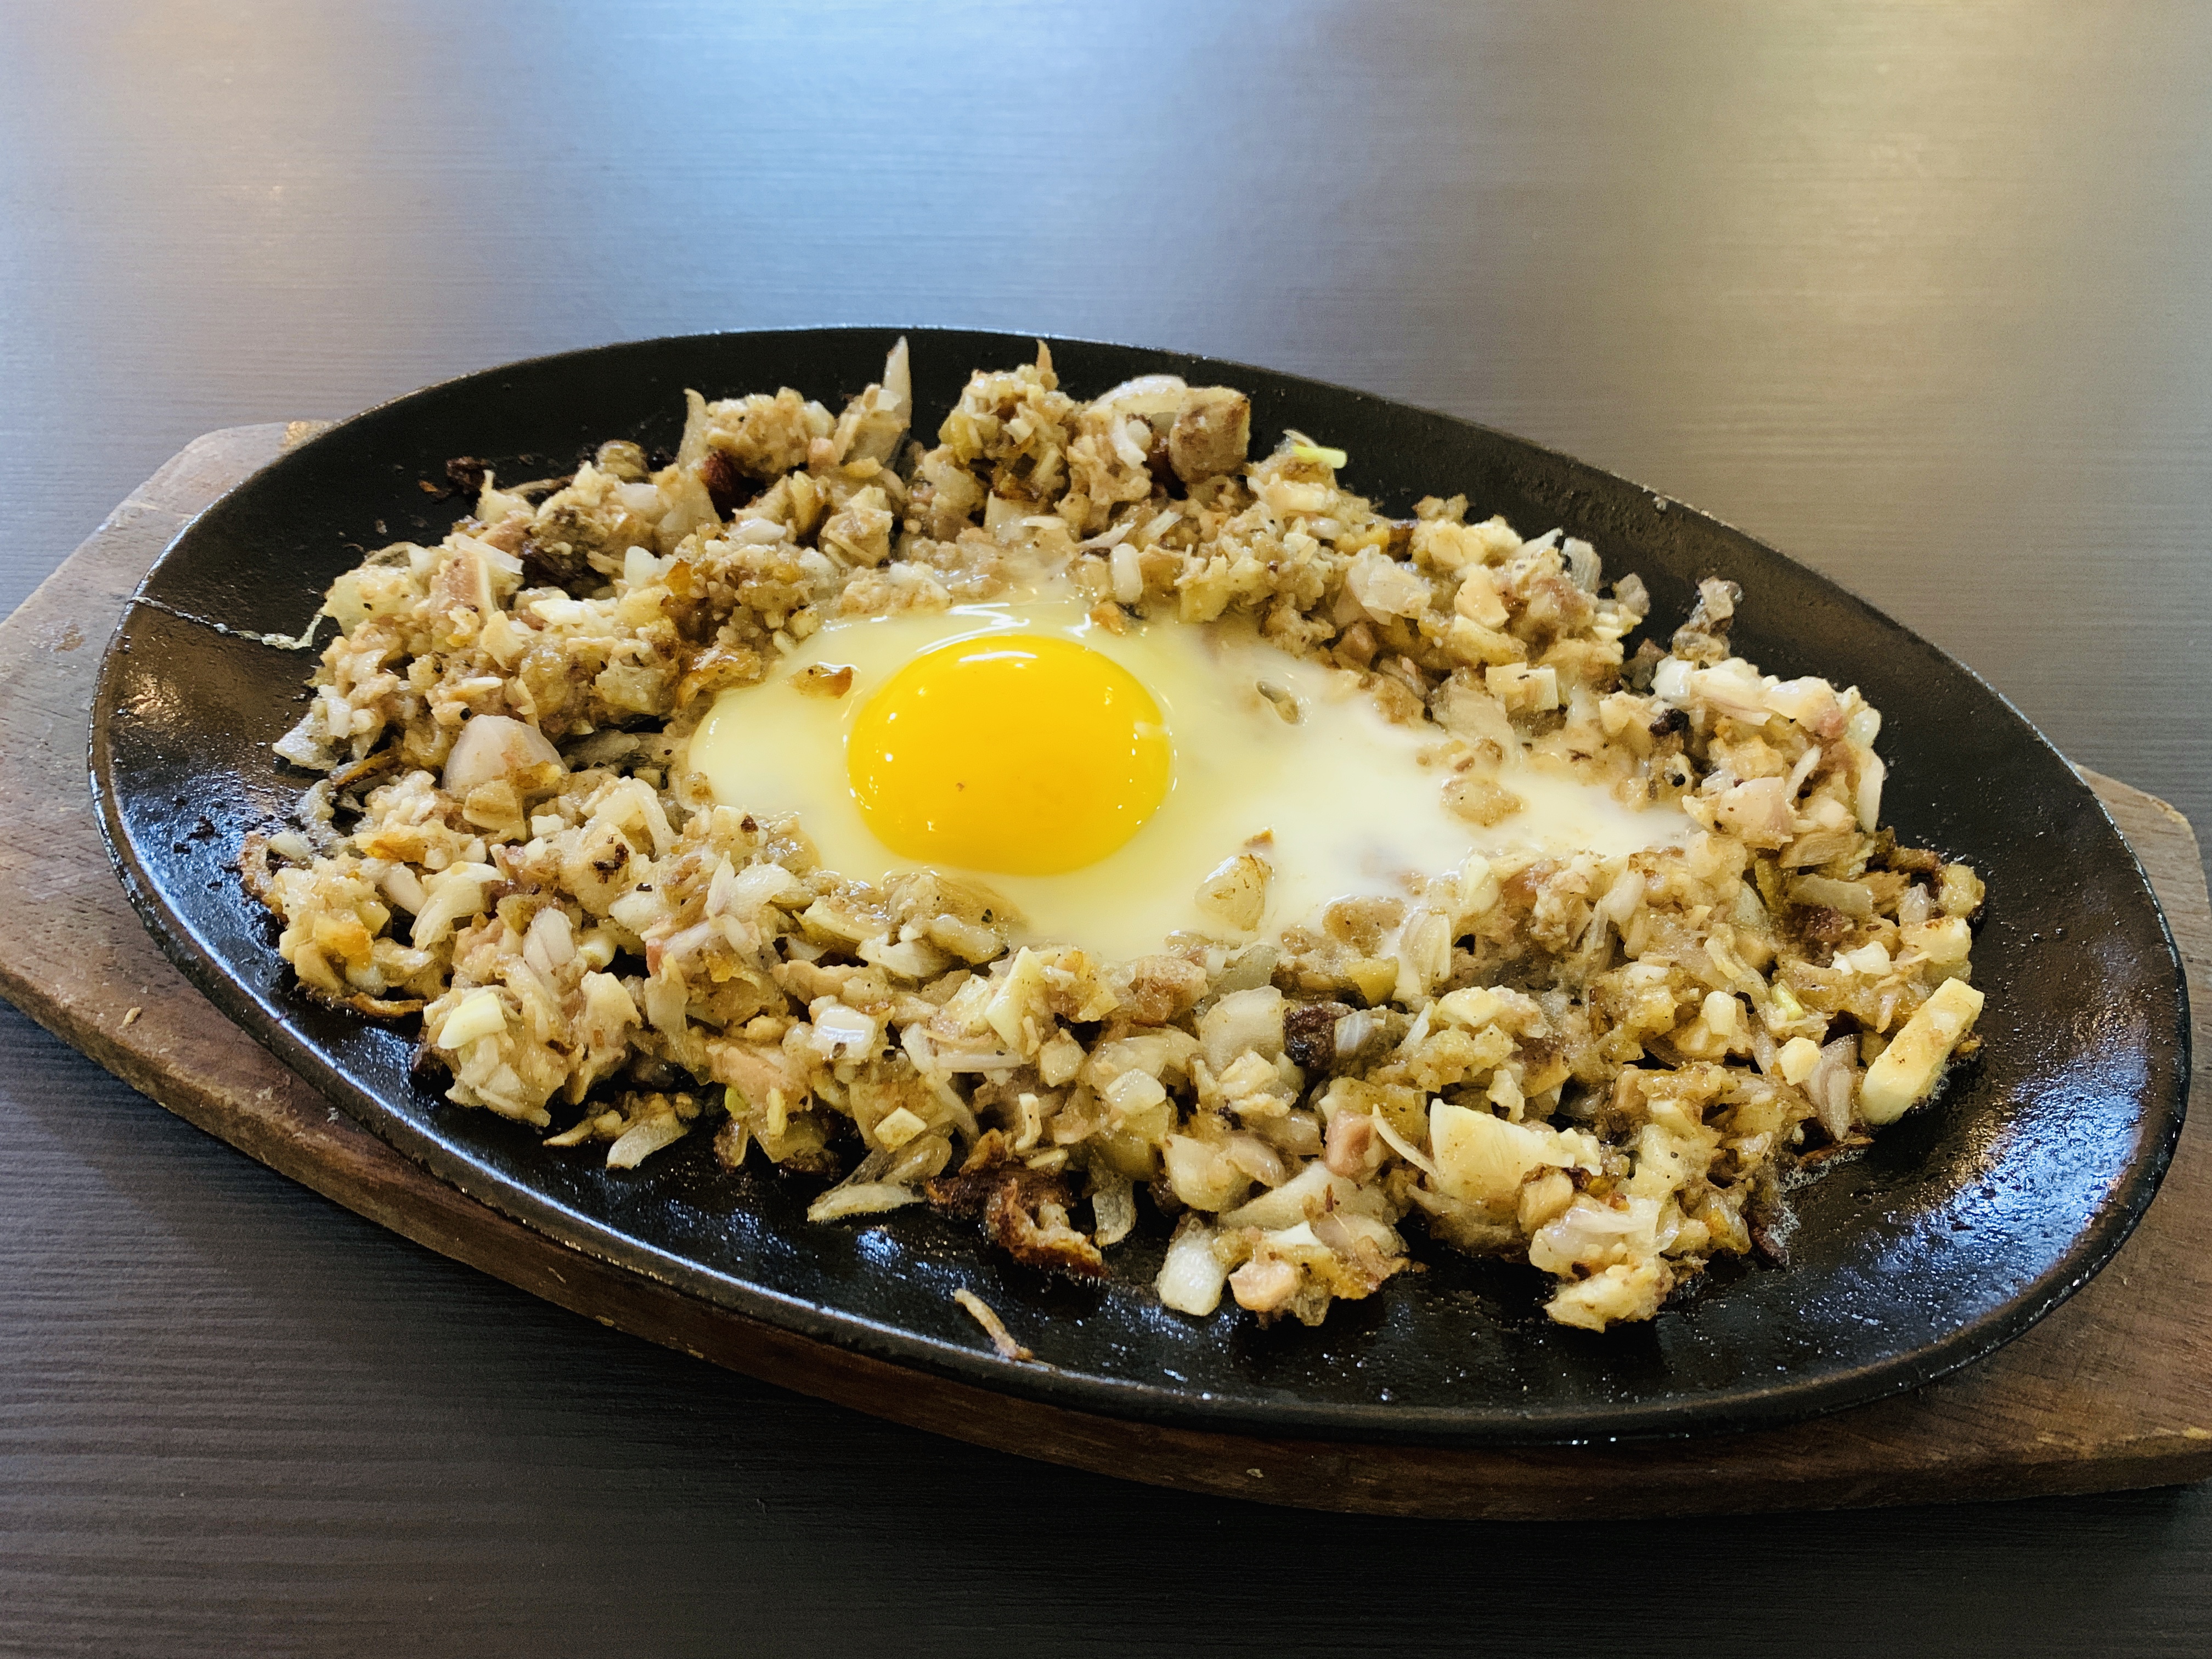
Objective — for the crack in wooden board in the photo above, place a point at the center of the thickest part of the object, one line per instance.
(2112, 1390)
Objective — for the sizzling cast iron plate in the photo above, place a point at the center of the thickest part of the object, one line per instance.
(1961, 1226)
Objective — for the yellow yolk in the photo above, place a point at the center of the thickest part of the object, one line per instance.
(1015, 753)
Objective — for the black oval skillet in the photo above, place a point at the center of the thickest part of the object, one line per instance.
(1959, 1229)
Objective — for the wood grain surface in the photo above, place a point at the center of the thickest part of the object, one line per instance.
(2114, 1390)
(1915, 292)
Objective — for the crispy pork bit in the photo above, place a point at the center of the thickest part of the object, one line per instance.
(726, 487)
(1024, 1213)
(1309, 1034)
(1212, 429)
(467, 473)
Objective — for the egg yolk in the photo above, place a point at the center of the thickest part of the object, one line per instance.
(1015, 753)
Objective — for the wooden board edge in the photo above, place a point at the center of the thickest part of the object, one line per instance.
(1779, 1469)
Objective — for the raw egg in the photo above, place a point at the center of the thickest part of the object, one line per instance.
(1095, 779)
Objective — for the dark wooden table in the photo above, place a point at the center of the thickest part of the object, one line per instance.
(1918, 295)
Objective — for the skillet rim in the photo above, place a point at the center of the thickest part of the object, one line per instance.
(2086, 1252)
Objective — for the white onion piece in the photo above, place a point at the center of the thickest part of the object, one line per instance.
(493, 746)
(1152, 398)
(1191, 1278)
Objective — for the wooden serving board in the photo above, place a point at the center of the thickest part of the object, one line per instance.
(2112, 1390)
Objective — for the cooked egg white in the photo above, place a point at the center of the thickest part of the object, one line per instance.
(1095, 780)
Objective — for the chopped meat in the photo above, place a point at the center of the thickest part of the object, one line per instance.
(1309, 1034)
(1024, 1213)
(725, 486)
(1212, 431)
